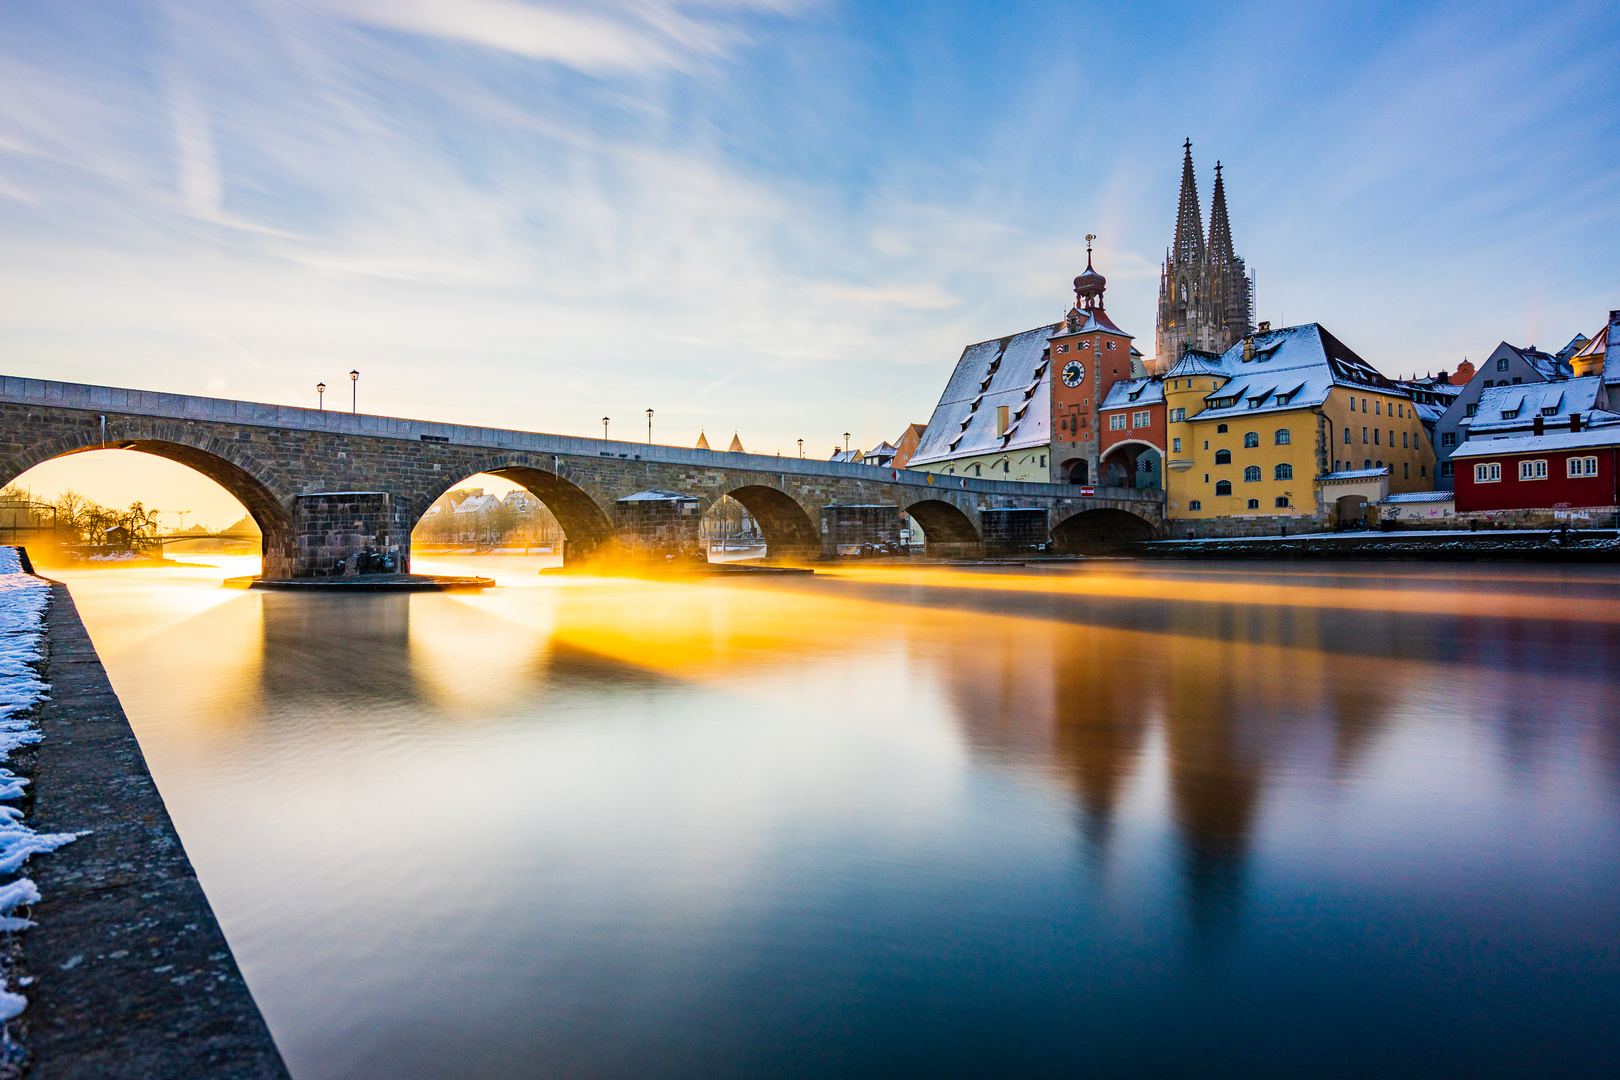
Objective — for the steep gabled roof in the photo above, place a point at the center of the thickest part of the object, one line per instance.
(1012, 371)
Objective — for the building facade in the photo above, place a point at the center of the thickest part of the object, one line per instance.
(1206, 296)
(1558, 473)
(1288, 426)
(1131, 429)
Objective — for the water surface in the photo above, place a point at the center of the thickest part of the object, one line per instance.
(1099, 819)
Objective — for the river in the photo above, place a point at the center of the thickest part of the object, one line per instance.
(1087, 819)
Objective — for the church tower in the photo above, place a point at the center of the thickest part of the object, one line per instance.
(1206, 296)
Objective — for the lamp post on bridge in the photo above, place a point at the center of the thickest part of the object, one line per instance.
(801, 448)
(320, 396)
(354, 383)
(604, 429)
(649, 427)
(846, 442)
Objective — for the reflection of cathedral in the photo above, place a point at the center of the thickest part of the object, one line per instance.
(1206, 299)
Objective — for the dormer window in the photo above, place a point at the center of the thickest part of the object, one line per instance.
(1550, 410)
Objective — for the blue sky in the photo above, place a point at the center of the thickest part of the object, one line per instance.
(781, 217)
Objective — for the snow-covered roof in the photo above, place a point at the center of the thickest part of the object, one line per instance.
(1292, 367)
(1134, 394)
(1012, 371)
(1353, 474)
(1549, 366)
(1524, 401)
(657, 496)
(1196, 362)
(1431, 413)
(1420, 497)
(477, 503)
(1533, 444)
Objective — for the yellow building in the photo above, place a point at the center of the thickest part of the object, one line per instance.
(1288, 426)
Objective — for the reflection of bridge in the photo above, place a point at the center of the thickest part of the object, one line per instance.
(316, 480)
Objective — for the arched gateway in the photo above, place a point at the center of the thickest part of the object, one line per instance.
(321, 484)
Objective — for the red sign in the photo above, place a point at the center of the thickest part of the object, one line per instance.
(1088, 491)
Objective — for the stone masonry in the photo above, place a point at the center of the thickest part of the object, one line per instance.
(268, 456)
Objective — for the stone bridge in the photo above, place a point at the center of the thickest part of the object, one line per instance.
(321, 482)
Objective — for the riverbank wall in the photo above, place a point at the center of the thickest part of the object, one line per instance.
(131, 975)
(1450, 545)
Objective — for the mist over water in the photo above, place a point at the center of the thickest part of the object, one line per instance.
(1094, 819)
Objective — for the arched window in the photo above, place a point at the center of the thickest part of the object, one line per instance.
(1223, 457)
(1251, 474)
(1282, 438)
(1285, 471)
(1282, 500)
(1220, 429)
(1251, 439)
(1378, 464)
(1254, 504)
(1223, 487)
(1337, 465)
(1346, 434)
(1367, 464)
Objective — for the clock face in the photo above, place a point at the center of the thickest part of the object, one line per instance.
(1073, 373)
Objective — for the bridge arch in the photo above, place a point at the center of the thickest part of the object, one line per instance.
(789, 530)
(586, 527)
(946, 529)
(226, 464)
(1100, 529)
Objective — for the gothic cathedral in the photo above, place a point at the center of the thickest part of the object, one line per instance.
(1206, 299)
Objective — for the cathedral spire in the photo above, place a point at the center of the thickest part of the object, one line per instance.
(1189, 245)
(1220, 229)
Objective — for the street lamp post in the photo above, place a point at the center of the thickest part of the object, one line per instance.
(354, 383)
(320, 396)
(604, 429)
(649, 427)
(846, 442)
(801, 448)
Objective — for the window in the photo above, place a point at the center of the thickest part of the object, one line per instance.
(1110, 346)
(1284, 471)
(1282, 437)
(1195, 505)
(1367, 464)
(1363, 436)
(1448, 438)
(1488, 473)
(1043, 461)
(1510, 414)
(1175, 445)
(1254, 504)
(1282, 501)
(1581, 466)
(1251, 439)
(1447, 468)
(978, 470)
(1517, 381)
(1501, 365)
(1336, 465)
(1141, 419)
(1206, 444)
(1063, 348)
(1223, 487)
(1363, 404)
(1533, 470)
(1378, 407)
(1116, 422)
(1403, 438)
(1472, 409)
(1223, 457)
(1220, 429)
(1423, 470)
(1406, 470)
(1251, 474)
(1375, 438)
(1347, 435)
(1489, 383)
(1550, 410)
(1177, 415)
(1206, 478)
(1400, 410)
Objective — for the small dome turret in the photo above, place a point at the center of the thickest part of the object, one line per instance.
(1089, 286)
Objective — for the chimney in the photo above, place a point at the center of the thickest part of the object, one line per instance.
(1265, 327)
(1540, 426)
(1575, 422)
(1248, 347)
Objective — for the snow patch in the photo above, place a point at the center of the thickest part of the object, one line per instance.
(22, 612)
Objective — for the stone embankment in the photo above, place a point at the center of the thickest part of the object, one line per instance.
(128, 974)
(1527, 545)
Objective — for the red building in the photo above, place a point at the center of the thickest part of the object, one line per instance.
(1130, 431)
(1558, 471)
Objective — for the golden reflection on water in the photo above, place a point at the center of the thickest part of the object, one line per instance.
(719, 750)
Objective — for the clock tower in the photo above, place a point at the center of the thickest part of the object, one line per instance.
(1089, 354)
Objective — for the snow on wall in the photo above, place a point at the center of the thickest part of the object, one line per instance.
(22, 612)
